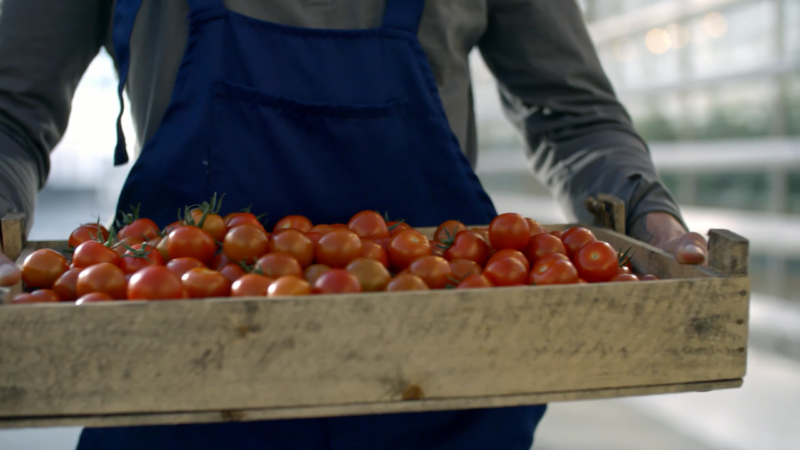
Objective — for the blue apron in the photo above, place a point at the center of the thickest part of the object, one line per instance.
(323, 123)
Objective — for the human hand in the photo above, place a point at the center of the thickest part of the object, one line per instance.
(9, 272)
(664, 231)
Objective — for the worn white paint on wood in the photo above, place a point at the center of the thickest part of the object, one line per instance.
(116, 420)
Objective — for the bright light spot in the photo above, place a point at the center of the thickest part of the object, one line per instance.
(715, 24)
(625, 50)
(678, 35)
(657, 41)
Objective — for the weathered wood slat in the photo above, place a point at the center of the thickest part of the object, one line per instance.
(12, 232)
(728, 252)
(218, 354)
(357, 409)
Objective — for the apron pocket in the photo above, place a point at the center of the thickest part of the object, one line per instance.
(320, 160)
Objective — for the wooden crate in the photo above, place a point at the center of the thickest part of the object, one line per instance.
(217, 360)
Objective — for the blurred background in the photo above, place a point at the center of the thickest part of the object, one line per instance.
(714, 86)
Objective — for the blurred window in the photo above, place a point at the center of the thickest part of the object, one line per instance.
(733, 39)
(733, 190)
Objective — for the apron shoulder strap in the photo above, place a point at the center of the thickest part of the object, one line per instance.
(403, 14)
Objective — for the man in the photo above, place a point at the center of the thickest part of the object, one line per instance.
(323, 108)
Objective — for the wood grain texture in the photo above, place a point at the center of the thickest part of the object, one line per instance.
(222, 354)
(12, 232)
(616, 211)
(728, 252)
(240, 415)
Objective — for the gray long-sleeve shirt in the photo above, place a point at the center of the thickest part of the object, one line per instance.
(578, 137)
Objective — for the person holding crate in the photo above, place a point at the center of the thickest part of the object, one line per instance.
(323, 108)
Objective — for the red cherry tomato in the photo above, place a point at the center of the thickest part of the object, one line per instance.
(475, 281)
(372, 275)
(649, 277)
(623, 269)
(506, 272)
(245, 243)
(288, 286)
(219, 261)
(314, 237)
(507, 252)
(233, 220)
(368, 225)
(575, 238)
(623, 277)
(66, 285)
(232, 272)
(94, 297)
(536, 227)
(144, 229)
(553, 256)
(251, 285)
(406, 246)
(213, 224)
(556, 233)
(295, 243)
(509, 230)
(180, 266)
(90, 253)
(87, 232)
(192, 242)
(276, 265)
(155, 283)
(297, 222)
(122, 246)
(543, 244)
(447, 230)
(462, 268)
(314, 271)
(553, 271)
(146, 256)
(204, 283)
(406, 282)
(596, 262)
(46, 295)
(43, 267)
(27, 297)
(384, 242)
(434, 270)
(104, 277)
(322, 229)
(372, 250)
(397, 226)
(337, 281)
(468, 245)
(337, 248)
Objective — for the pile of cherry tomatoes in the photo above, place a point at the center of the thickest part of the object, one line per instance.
(206, 255)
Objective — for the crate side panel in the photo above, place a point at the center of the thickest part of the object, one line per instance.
(124, 357)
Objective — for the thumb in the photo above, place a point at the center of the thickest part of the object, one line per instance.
(9, 272)
(691, 248)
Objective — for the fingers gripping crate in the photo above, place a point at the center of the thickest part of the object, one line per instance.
(217, 360)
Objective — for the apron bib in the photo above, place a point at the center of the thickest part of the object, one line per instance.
(322, 123)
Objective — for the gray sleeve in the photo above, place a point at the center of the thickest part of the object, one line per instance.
(579, 139)
(45, 47)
